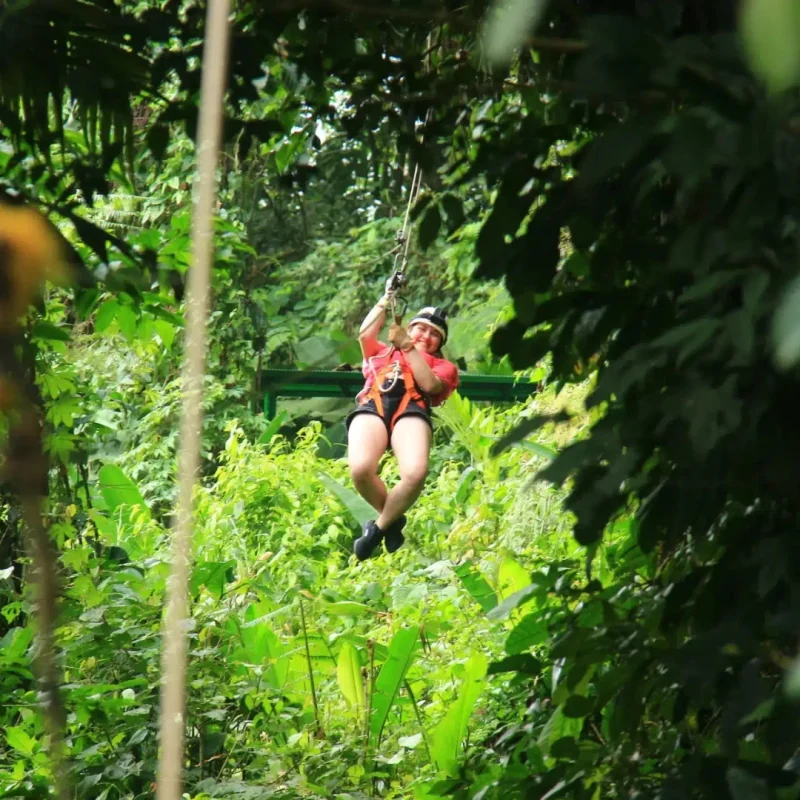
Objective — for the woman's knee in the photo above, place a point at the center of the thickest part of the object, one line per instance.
(414, 473)
(362, 471)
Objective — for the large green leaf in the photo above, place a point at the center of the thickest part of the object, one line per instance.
(118, 490)
(391, 677)
(477, 586)
(20, 740)
(105, 315)
(348, 675)
(770, 30)
(272, 428)
(261, 646)
(531, 630)
(360, 509)
(512, 577)
(214, 575)
(448, 735)
(346, 608)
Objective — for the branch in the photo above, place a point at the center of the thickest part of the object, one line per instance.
(405, 14)
(556, 45)
(553, 45)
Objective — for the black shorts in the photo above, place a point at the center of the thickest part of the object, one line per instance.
(391, 402)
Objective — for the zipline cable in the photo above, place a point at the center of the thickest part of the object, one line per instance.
(403, 239)
(173, 671)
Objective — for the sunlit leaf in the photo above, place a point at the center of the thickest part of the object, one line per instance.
(770, 31)
(512, 577)
(20, 740)
(786, 327)
(348, 675)
(509, 24)
(360, 509)
(391, 677)
(448, 735)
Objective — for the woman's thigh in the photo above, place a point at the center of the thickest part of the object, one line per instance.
(367, 440)
(411, 444)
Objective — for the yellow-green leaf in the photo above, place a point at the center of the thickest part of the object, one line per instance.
(511, 577)
(20, 741)
(770, 31)
(448, 735)
(348, 674)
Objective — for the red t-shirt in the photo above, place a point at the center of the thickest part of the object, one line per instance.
(445, 370)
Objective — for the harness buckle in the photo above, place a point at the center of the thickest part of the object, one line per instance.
(396, 373)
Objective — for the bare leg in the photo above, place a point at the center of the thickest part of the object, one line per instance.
(366, 443)
(411, 443)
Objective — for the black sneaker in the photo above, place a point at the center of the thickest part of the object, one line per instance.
(394, 536)
(370, 538)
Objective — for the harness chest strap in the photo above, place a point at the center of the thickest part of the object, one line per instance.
(411, 391)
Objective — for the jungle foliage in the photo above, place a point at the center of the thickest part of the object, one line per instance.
(630, 178)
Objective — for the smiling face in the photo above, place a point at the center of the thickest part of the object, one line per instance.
(425, 338)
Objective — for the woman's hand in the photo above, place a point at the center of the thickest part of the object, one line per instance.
(399, 337)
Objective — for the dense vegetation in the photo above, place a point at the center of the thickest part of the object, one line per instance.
(612, 211)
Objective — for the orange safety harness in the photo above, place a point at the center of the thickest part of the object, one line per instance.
(393, 371)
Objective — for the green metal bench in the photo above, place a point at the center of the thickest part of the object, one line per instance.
(277, 383)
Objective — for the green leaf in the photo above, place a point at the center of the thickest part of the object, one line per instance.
(522, 662)
(532, 447)
(512, 577)
(105, 315)
(119, 490)
(508, 26)
(157, 140)
(447, 736)
(454, 210)
(138, 737)
(577, 706)
(260, 645)
(360, 509)
(391, 677)
(20, 741)
(530, 631)
(477, 586)
(465, 482)
(346, 608)
(615, 149)
(46, 330)
(786, 327)
(272, 428)
(429, 227)
(126, 318)
(410, 742)
(525, 428)
(746, 786)
(770, 30)
(214, 575)
(348, 675)
(558, 727)
(511, 602)
(166, 332)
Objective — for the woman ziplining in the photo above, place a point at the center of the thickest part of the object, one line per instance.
(404, 380)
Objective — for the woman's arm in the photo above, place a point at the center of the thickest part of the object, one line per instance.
(426, 378)
(370, 327)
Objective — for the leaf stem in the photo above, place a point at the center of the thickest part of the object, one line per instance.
(310, 666)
